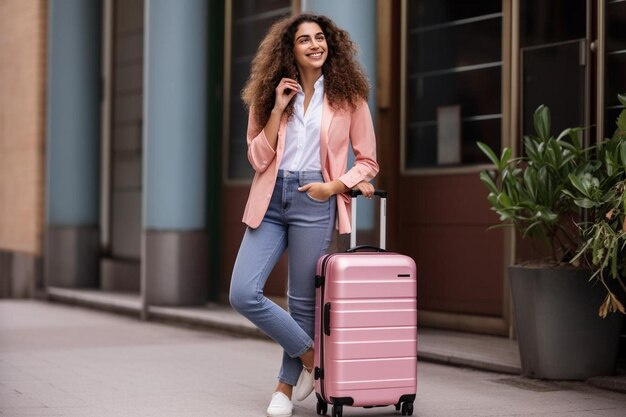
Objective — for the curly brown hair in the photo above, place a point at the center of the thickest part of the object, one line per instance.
(345, 82)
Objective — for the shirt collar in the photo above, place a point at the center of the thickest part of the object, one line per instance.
(318, 84)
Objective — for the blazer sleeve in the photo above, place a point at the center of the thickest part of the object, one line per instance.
(363, 141)
(260, 153)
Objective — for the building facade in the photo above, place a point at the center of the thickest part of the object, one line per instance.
(123, 164)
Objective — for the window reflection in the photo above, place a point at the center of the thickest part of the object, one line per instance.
(251, 20)
(454, 58)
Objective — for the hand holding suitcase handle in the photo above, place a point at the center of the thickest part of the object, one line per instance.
(355, 192)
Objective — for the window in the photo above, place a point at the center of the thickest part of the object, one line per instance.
(615, 49)
(453, 82)
(555, 21)
(555, 62)
(249, 21)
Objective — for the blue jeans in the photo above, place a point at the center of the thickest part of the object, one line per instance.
(303, 225)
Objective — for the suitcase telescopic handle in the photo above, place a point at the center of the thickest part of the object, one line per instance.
(383, 217)
(355, 192)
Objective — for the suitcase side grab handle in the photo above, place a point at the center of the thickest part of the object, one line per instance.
(327, 319)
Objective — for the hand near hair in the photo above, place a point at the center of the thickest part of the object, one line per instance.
(286, 89)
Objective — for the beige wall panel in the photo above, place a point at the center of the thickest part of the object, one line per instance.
(22, 124)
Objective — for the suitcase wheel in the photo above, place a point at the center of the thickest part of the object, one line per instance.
(337, 411)
(407, 409)
(322, 407)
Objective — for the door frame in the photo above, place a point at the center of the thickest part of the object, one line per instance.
(105, 126)
(502, 325)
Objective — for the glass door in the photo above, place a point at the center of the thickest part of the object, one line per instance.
(554, 54)
(555, 75)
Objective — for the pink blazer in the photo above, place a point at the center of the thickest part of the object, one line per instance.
(338, 129)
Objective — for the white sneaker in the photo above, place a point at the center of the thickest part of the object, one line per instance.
(304, 387)
(280, 406)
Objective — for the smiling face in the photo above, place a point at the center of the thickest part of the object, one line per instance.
(310, 48)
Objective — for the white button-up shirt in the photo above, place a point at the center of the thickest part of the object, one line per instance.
(302, 138)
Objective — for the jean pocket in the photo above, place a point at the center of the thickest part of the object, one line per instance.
(315, 199)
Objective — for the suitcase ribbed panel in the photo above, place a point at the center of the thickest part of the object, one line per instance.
(373, 314)
(373, 349)
(370, 354)
(355, 374)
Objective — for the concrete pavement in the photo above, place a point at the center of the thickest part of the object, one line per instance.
(59, 360)
(491, 353)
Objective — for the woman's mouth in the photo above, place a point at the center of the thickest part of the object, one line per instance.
(315, 55)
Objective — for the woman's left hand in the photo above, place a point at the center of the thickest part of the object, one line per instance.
(317, 190)
(366, 188)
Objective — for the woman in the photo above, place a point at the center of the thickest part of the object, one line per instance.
(307, 98)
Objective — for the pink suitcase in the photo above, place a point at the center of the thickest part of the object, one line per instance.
(366, 327)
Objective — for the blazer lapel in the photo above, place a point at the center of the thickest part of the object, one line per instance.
(280, 144)
(327, 117)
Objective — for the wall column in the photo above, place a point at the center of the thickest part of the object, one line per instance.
(73, 143)
(175, 241)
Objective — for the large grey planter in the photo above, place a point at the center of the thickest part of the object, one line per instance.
(559, 332)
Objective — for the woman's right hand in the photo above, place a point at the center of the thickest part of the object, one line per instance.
(283, 98)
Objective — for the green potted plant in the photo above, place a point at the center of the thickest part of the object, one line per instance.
(602, 192)
(560, 336)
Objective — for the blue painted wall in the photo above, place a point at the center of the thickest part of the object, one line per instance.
(175, 114)
(73, 134)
